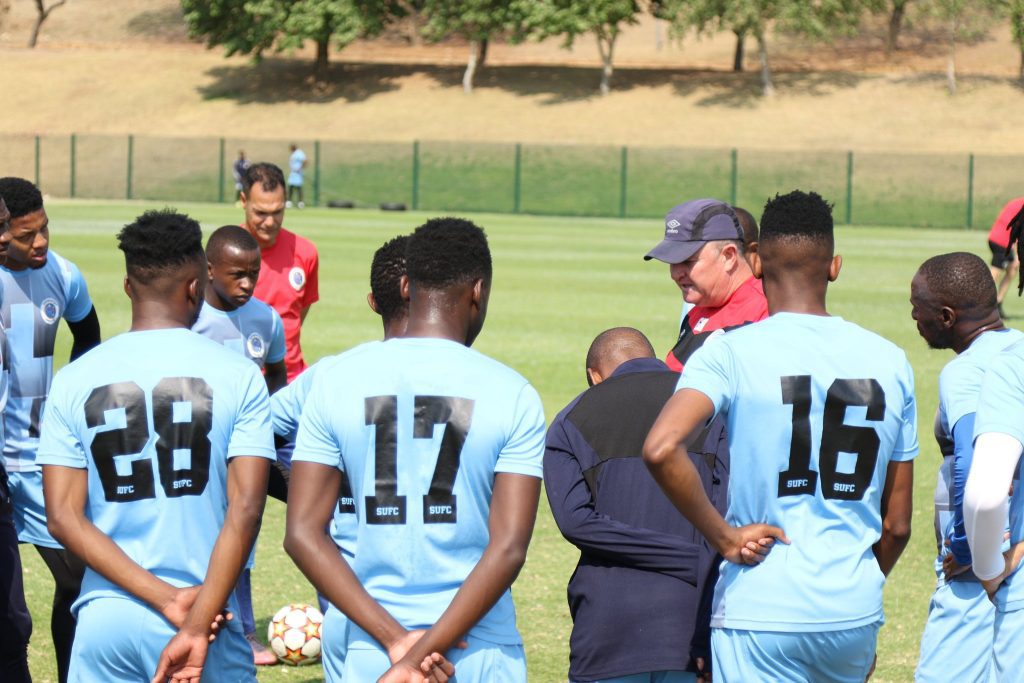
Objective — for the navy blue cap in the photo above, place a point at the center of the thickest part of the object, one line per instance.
(691, 225)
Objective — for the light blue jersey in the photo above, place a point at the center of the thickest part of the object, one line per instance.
(1001, 410)
(34, 302)
(816, 408)
(154, 417)
(254, 330)
(295, 166)
(285, 409)
(422, 427)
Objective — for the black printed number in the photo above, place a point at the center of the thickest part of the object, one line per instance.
(439, 503)
(837, 437)
(185, 428)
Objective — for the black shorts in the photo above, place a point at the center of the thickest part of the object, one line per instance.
(1000, 259)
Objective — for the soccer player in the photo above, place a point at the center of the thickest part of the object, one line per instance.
(15, 620)
(954, 304)
(1005, 264)
(40, 288)
(237, 171)
(155, 456)
(637, 553)
(704, 247)
(387, 275)
(443, 447)
(232, 317)
(297, 169)
(288, 270)
(822, 433)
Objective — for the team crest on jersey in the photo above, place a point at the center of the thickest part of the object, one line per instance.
(699, 325)
(255, 345)
(297, 278)
(49, 310)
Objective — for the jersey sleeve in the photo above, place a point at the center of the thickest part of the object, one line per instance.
(286, 404)
(59, 443)
(906, 446)
(277, 348)
(252, 434)
(958, 396)
(79, 302)
(1001, 402)
(316, 441)
(523, 453)
(710, 371)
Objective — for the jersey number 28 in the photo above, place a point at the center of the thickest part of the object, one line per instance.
(836, 437)
(184, 428)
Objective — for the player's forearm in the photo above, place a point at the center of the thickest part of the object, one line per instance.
(889, 548)
(316, 556)
(985, 500)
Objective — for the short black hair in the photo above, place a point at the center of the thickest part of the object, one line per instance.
(748, 223)
(230, 236)
(386, 273)
(159, 242)
(960, 280)
(269, 176)
(447, 251)
(22, 196)
(798, 216)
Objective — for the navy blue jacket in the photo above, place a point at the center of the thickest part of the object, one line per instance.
(640, 595)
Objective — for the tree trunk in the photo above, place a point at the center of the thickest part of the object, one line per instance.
(899, 9)
(471, 65)
(1020, 73)
(767, 86)
(482, 61)
(951, 63)
(606, 46)
(322, 58)
(737, 57)
(42, 14)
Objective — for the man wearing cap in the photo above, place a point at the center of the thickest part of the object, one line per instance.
(705, 247)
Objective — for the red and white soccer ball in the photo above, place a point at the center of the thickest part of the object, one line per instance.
(294, 634)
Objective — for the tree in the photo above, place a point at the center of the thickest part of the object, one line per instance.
(573, 18)
(42, 14)
(476, 21)
(1016, 10)
(897, 12)
(965, 21)
(255, 26)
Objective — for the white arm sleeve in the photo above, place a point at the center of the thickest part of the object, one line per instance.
(985, 500)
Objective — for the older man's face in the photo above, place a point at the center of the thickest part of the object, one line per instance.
(704, 278)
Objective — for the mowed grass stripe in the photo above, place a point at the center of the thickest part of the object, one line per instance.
(558, 282)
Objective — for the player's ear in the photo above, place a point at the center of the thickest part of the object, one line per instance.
(128, 288)
(947, 316)
(594, 377)
(403, 288)
(371, 301)
(194, 290)
(479, 292)
(835, 267)
(755, 264)
(243, 198)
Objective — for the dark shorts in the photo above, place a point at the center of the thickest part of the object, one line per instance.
(1000, 259)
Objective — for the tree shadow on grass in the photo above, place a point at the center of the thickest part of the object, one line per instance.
(743, 90)
(276, 80)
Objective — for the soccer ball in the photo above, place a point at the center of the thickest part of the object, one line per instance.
(294, 634)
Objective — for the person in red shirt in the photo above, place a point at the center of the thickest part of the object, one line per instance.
(704, 247)
(1004, 262)
(288, 272)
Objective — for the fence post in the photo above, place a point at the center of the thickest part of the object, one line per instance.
(415, 175)
(128, 174)
(623, 175)
(37, 162)
(220, 175)
(970, 191)
(72, 185)
(733, 176)
(849, 188)
(517, 180)
(316, 173)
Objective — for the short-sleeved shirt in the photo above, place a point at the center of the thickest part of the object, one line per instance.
(286, 410)
(289, 283)
(253, 330)
(816, 408)
(154, 417)
(746, 305)
(422, 428)
(1000, 232)
(295, 167)
(1001, 410)
(34, 302)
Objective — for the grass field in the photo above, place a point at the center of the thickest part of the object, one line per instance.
(557, 283)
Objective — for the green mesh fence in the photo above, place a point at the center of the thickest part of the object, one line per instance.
(867, 188)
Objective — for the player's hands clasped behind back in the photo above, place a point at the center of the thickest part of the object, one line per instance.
(1012, 559)
(183, 658)
(751, 544)
(177, 607)
(434, 668)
